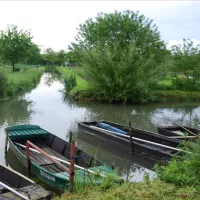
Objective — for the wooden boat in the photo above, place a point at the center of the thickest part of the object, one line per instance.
(143, 142)
(49, 171)
(14, 185)
(177, 132)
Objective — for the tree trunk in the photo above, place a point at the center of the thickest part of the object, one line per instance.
(13, 66)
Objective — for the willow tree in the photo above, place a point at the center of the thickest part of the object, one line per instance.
(123, 53)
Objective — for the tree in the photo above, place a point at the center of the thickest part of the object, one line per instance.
(123, 53)
(49, 56)
(16, 45)
(61, 57)
(186, 58)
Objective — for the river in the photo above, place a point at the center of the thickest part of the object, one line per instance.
(46, 106)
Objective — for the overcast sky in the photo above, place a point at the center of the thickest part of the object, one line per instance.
(53, 23)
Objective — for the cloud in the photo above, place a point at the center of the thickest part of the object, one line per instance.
(177, 42)
(54, 23)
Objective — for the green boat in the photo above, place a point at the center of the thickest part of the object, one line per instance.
(88, 169)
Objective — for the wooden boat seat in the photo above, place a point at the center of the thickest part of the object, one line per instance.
(32, 191)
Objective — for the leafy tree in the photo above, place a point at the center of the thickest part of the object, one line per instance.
(16, 45)
(186, 57)
(123, 53)
(49, 56)
(35, 57)
(61, 57)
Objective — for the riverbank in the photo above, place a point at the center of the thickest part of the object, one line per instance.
(83, 91)
(20, 81)
(154, 190)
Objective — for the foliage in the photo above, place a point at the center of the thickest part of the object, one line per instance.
(186, 62)
(70, 82)
(49, 56)
(122, 74)
(125, 27)
(122, 52)
(184, 170)
(61, 57)
(3, 83)
(82, 85)
(16, 45)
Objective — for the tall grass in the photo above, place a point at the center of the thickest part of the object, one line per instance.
(155, 190)
(81, 85)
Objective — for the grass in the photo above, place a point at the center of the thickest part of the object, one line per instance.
(82, 85)
(154, 190)
(20, 81)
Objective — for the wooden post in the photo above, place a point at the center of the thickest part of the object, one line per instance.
(28, 156)
(131, 141)
(70, 137)
(72, 158)
(6, 141)
(113, 166)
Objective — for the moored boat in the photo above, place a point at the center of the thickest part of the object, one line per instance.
(14, 185)
(178, 132)
(43, 153)
(143, 142)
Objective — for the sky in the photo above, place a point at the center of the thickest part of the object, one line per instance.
(53, 23)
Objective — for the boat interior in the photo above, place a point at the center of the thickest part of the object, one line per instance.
(58, 148)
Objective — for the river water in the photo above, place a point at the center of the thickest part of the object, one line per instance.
(47, 107)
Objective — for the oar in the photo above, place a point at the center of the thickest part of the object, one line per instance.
(63, 161)
(14, 191)
(182, 127)
(141, 140)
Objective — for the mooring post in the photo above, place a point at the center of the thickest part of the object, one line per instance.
(113, 166)
(28, 156)
(6, 141)
(72, 158)
(130, 134)
(70, 137)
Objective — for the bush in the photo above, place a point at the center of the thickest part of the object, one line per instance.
(184, 170)
(3, 84)
(16, 69)
(186, 84)
(70, 82)
(121, 73)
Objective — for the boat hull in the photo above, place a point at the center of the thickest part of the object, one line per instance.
(125, 144)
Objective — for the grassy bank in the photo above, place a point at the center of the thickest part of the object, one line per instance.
(155, 190)
(165, 91)
(82, 85)
(20, 81)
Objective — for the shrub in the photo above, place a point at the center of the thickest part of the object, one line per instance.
(3, 84)
(186, 84)
(184, 170)
(70, 82)
(16, 69)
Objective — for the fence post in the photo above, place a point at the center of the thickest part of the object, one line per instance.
(72, 158)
